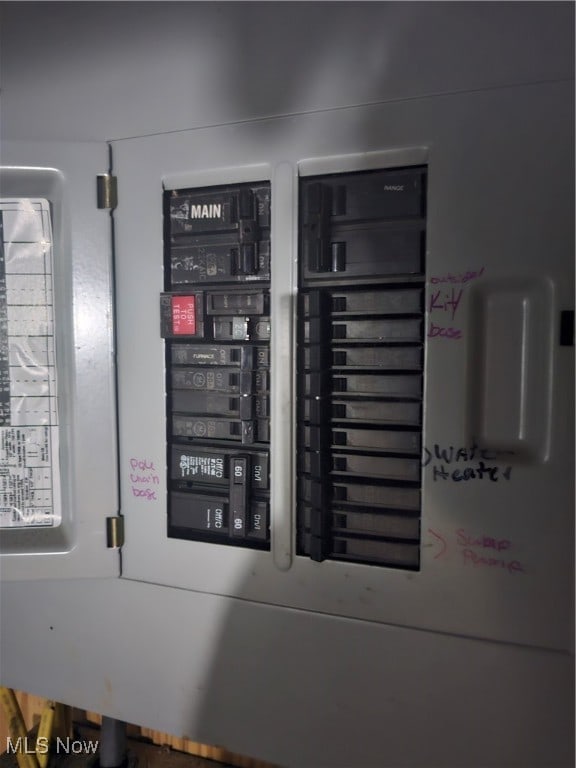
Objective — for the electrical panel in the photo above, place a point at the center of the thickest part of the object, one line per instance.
(317, 406)
(360, 366)
(215, 317)
(320, 393)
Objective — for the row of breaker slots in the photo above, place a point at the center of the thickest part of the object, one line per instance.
(360, 367)
(217, 331)
(360, 426)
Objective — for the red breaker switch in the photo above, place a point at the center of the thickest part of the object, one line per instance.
(182, 315)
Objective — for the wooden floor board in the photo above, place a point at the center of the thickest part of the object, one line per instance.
(154, 749)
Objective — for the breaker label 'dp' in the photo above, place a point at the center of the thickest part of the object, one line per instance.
(184, 315)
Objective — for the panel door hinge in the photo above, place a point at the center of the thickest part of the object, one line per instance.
(107, 190)
(114, 532)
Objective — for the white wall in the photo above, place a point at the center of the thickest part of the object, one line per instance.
(94, 71)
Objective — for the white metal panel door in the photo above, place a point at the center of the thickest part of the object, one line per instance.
(59, 469)
(497, 519)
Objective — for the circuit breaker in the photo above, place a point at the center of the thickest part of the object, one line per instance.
(360, 364)
(215, 319)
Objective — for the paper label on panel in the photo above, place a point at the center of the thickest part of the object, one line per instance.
(29, 438)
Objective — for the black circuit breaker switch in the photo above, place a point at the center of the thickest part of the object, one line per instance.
(201, 354)
(263, 430)
(377, 412)
(246, 205)
(246, 260)
(317, 303)
(199, 512)
(339, 200)
(392, 194)
(317, 496)
(386, 440)
(383, 302)
(319, 523)
(338, 257)
(318, 328)
(239, 479)
(318, 549)
(391, 358)
(314, 410)
(319, 464)
(567, 328)
(236, 303)
(258, 515)
(241, 329)
(228, 260)
(232, 329)
(260, 381)
(213, 379)
(193, 464)
(248, 234)
(405, 331)
(317, 357)
(318, 207)
(217, 404)
(384, 496)
(199, 427)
